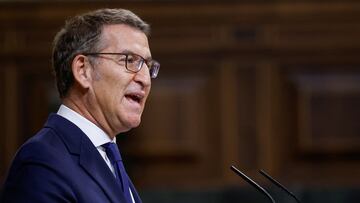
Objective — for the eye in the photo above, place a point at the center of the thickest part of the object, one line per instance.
(121, 58)
(131, 59)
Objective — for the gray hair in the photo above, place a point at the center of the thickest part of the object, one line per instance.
(82, 34)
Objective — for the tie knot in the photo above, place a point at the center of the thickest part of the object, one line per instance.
(112, 151)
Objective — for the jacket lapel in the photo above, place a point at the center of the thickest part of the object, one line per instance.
(135, 193)
(95, 166)
(90, 159)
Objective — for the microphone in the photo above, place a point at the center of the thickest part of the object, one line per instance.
(253, 183)
(262, 172)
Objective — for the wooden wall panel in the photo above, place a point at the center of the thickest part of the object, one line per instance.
(3, 157)
(250, 84)
(320, 130)
(328, 107)
(178, 128)
(10, 110)
(240, 119)
(37, 90)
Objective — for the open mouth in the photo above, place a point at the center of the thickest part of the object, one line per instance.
(134, 97)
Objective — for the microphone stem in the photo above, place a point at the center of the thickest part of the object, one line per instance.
(279, 185)
(253, 183)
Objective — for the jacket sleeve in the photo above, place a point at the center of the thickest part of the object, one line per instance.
(34, 182)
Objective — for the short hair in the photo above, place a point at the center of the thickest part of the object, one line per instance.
(82, 34)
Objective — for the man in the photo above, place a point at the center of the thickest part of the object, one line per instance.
(103, 69)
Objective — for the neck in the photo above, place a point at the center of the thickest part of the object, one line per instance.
(79, 107)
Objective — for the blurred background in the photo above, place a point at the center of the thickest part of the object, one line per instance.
(271, 85)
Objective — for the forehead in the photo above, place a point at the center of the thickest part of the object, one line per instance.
(120, 37)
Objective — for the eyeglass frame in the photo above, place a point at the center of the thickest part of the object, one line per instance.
(150, 63)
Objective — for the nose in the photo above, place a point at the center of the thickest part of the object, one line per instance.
(143, 76)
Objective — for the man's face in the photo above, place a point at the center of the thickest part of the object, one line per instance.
(119, 95)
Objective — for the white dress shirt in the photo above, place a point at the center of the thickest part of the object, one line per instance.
(96, 135)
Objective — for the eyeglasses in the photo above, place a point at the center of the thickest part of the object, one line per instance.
(134, 62)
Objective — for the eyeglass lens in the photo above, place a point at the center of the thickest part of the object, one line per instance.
(135, 63)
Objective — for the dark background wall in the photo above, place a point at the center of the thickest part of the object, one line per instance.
(271, 85)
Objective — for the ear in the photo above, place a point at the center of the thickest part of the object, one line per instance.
(81, 69)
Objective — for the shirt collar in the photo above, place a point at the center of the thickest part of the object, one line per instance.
(96, 135)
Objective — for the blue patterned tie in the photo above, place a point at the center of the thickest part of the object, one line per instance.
(114, 156)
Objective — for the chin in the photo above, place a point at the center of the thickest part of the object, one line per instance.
(128, 126)
(133, 123)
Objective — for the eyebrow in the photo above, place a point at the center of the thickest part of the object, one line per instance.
(126, 51)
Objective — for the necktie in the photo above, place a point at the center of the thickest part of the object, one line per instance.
(114, 156)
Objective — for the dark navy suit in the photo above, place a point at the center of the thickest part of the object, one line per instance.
(60, 164)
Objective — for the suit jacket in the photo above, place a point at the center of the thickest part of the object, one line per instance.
(60, 164)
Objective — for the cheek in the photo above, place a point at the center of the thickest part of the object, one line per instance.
(115, 84)
(112, 85)
(117, 92)
(108, 93)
